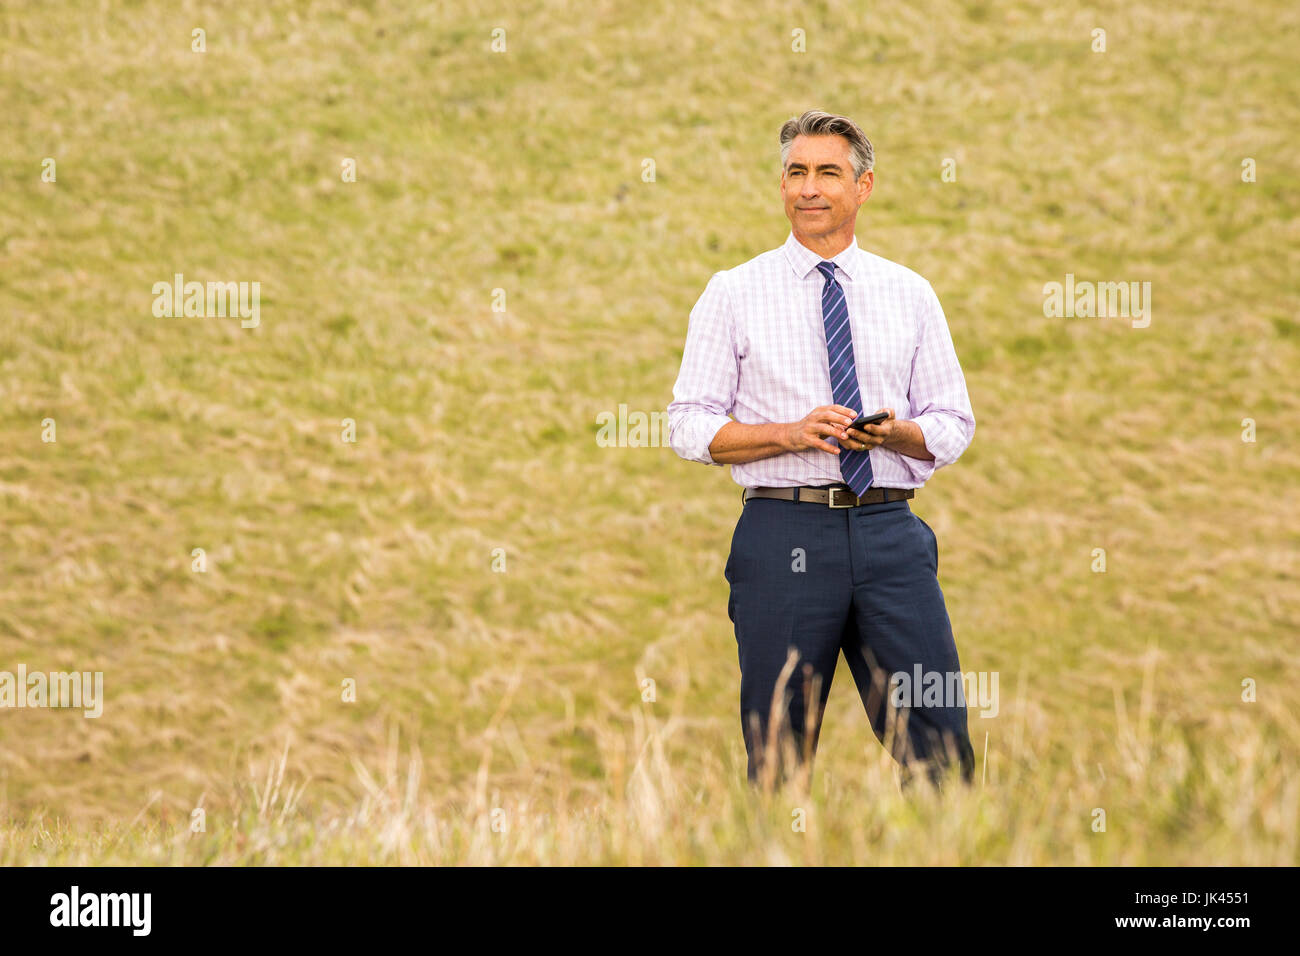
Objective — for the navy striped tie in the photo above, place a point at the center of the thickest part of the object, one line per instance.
(855, 466)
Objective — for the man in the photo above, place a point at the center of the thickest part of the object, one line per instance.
(827, 553)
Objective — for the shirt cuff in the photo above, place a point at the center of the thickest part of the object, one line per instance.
(943, 438)
(694, 435)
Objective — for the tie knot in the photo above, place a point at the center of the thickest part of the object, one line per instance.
(827, 269)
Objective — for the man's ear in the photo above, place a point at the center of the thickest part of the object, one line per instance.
(868, 179)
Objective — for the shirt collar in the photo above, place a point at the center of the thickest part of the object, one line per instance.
(804, 261)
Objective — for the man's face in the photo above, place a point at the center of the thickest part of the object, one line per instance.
(821, 195)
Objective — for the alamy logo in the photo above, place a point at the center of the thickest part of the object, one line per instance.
(634, 429)
(103, 909)
(1101, 300)
(84, 689)
(178, 298)
(945, 689)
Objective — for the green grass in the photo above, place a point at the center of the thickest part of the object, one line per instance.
(476, 429)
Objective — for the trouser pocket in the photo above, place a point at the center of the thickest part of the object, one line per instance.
(934, 541)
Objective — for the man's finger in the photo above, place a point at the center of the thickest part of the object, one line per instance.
(866, 436)
(830, 415)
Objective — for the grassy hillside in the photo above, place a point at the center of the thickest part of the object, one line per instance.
(519, 174)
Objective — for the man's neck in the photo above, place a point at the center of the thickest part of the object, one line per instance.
(828, 246)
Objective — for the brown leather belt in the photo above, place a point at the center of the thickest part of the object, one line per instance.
(836, 496)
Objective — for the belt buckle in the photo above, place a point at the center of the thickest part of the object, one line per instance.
(830, 497)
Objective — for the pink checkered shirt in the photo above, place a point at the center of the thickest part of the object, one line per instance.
(756, 352)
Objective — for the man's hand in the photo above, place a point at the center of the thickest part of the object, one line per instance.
(872, 436)
(821, 422)
(897, 434)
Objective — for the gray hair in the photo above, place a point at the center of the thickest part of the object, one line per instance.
(817, 123)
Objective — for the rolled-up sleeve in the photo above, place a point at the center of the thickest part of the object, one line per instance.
(937, 395)
(705, 392)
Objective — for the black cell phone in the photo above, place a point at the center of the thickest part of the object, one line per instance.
(875, 419)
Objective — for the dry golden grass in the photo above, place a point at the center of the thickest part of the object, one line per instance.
(476, 430)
